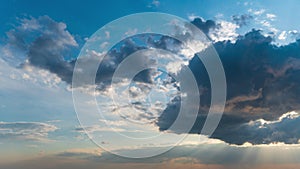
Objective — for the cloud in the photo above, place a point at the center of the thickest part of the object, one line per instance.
(44, 43)
(271, 16)
(205, 26)
(80, 153)
(262, 78)
(224, 31)
(98, 128)
(189, 156)
(262, 83)
(40, 42)
(257, 12)
(29, 74)
(29, 131)
(265, 22)
(282, 35)
(283, 130)
(242, 20)
(192, 17)
(154, 4)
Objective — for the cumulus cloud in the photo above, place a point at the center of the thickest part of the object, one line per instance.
(224, 31)
(260, 131)
(262, 84)
(282, 35)
(205, 26)
(30, 131)
(41, 42)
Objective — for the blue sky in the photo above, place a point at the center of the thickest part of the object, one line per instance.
(40, 41)
(84, 18)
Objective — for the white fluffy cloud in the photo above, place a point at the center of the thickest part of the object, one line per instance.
(271, 16)
(225, 31)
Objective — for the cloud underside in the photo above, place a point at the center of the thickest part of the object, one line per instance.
(262, 79)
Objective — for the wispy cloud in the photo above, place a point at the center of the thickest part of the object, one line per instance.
(154, 4)
(257, 12)
(271, 16)
(30, 131)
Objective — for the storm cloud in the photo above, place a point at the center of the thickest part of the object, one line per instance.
(262, 83)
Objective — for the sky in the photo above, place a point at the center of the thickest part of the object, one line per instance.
(58, 113)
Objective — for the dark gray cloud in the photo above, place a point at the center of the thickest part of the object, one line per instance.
(262, 83)
(261, 79)
(117, 55)
(41, 42)
(45, 43)
(205, 26)
(237, 130)
(242, 20)
(285, 129)
(30, 131)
